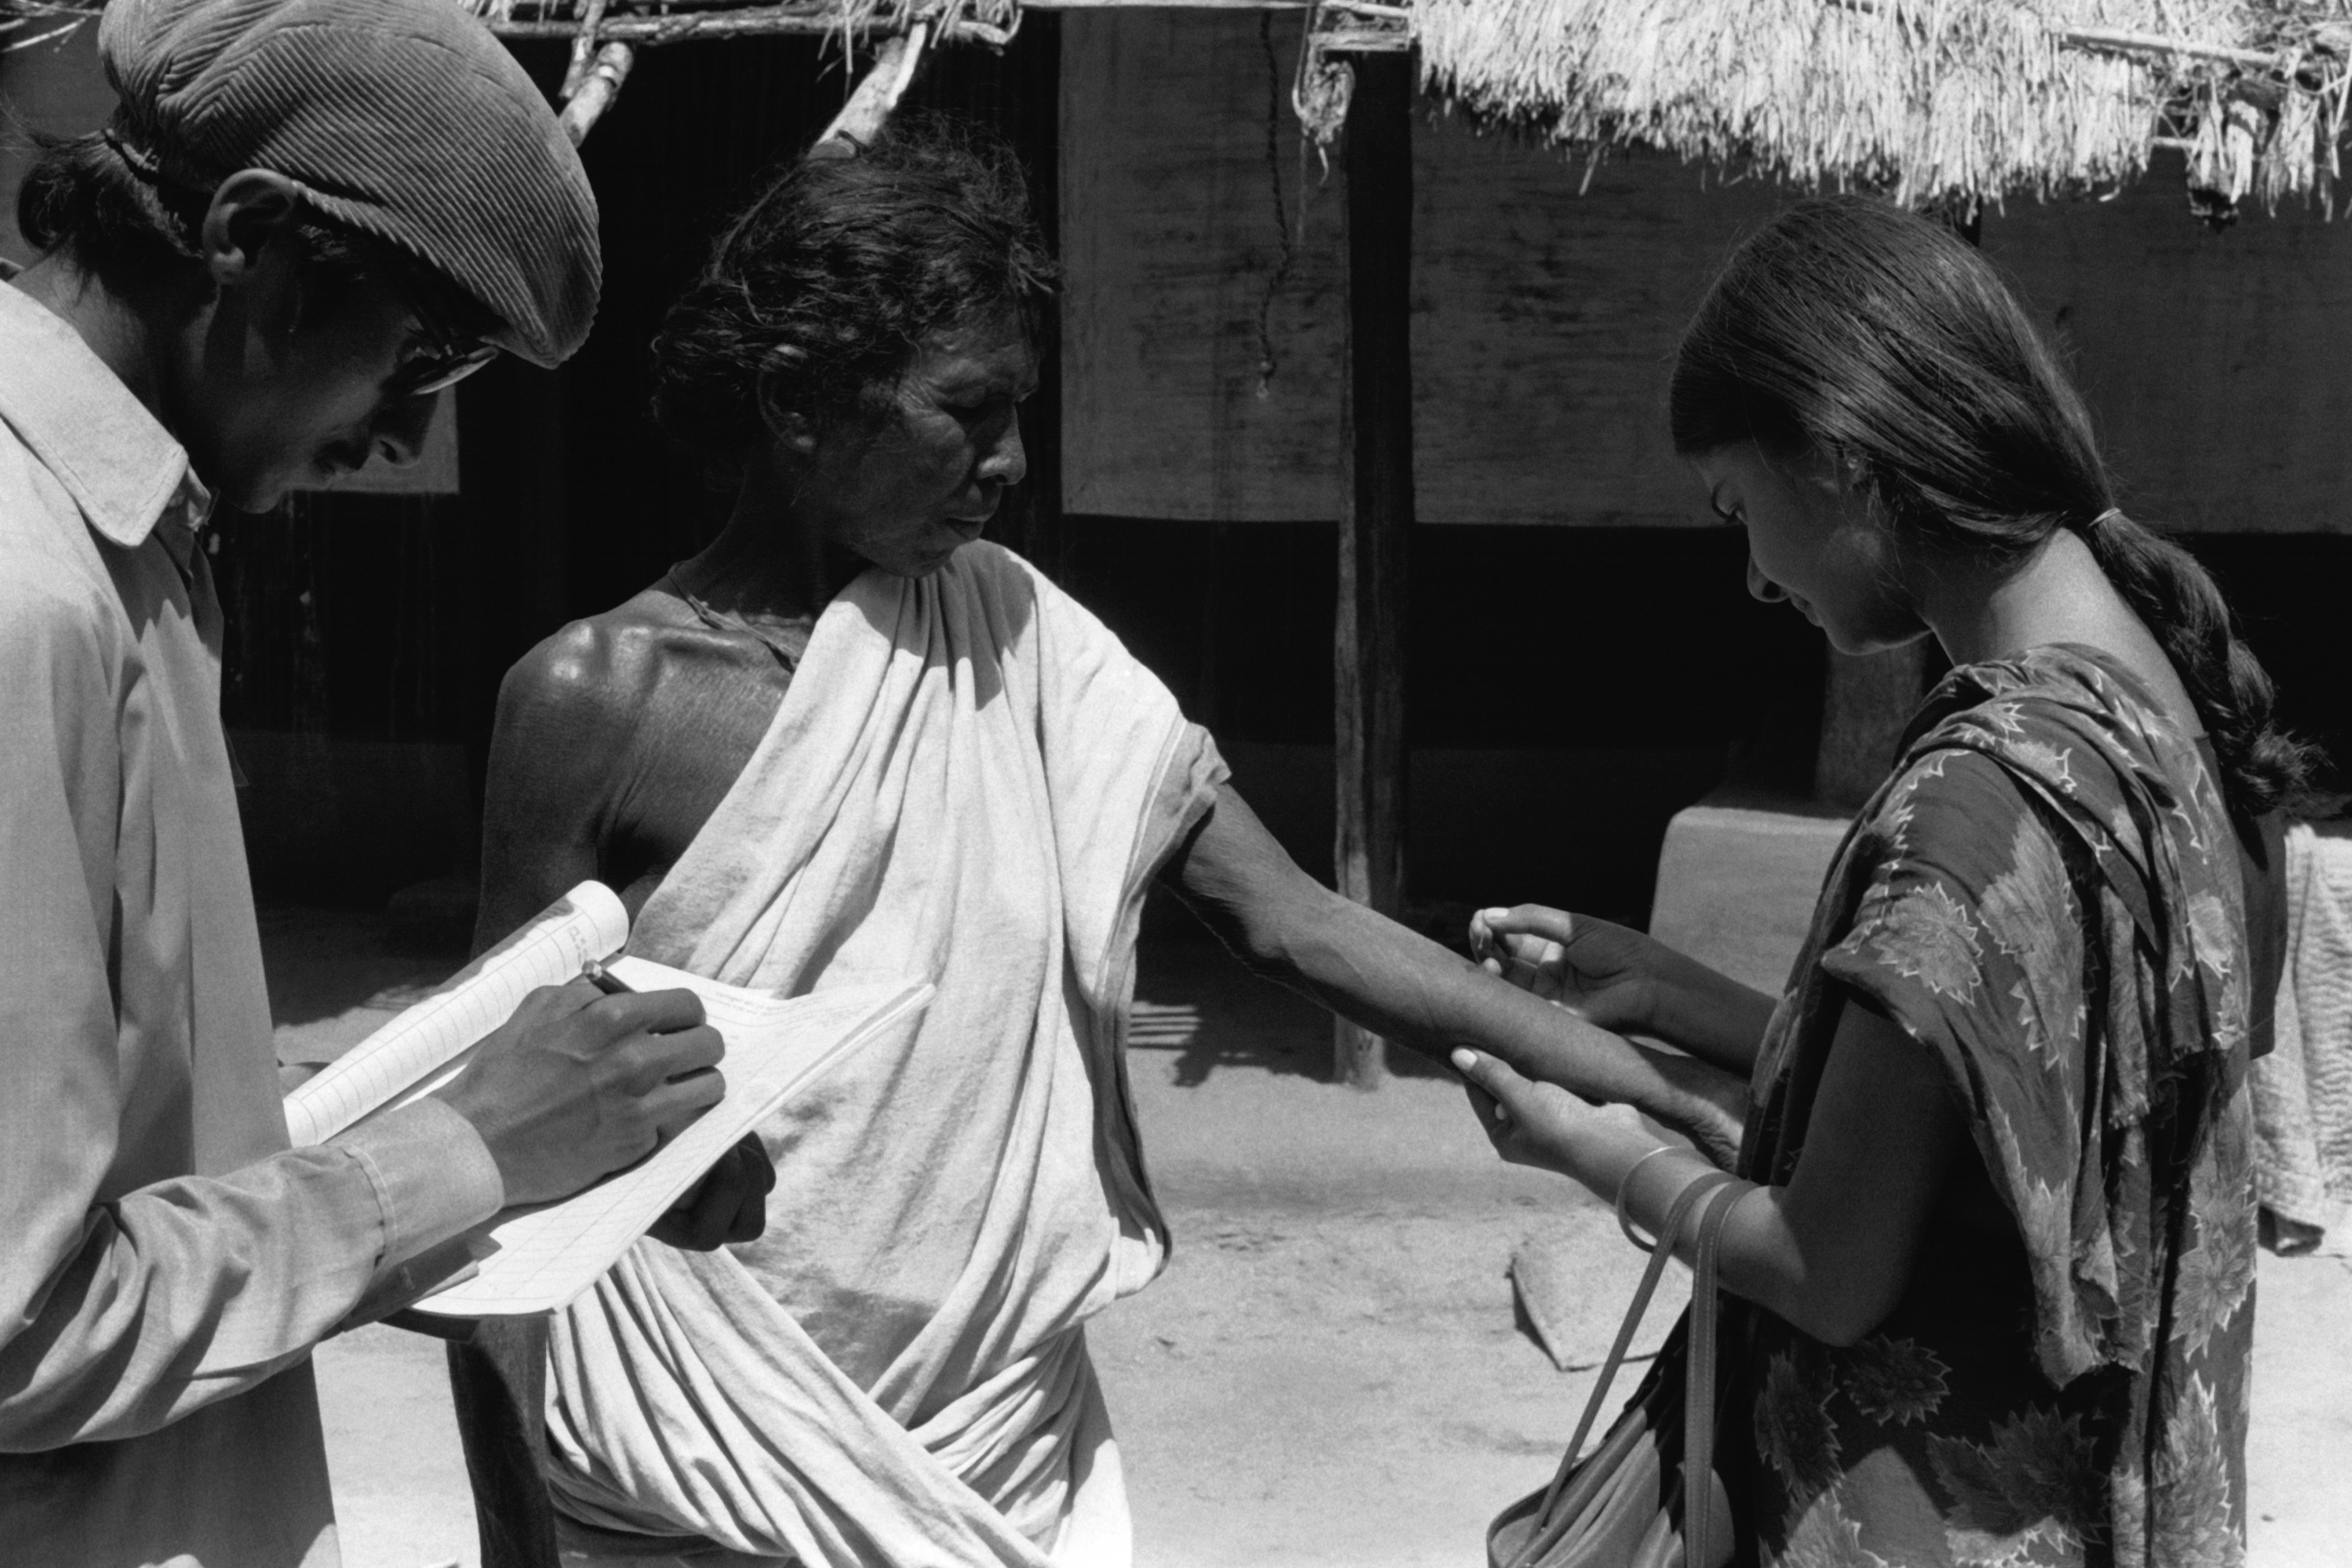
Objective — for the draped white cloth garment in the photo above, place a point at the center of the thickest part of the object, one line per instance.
(971, 781)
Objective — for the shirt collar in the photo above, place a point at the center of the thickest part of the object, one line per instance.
(122, 468)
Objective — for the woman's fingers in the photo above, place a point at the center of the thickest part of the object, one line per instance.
(1482, 940)
(1530, 1123)
(1495, 1089)
(1527, 920)
(1490, 1086)
(1490, 1074)
(1493, 1120)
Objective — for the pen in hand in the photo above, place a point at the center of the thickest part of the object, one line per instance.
(612, 985)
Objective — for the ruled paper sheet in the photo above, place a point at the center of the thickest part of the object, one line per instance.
(541, 1259)
(403, 1058)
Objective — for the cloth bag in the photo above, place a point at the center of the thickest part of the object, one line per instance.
(1624, 1504)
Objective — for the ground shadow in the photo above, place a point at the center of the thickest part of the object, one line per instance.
(1195, 1001)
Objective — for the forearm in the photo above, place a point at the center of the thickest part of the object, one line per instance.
(195, 1289)
(1831, 1250)
(1709, 1014)
(1408, 989)
(1760, 1257)
(1290, 928)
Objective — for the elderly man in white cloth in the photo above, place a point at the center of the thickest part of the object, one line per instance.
(849, 742)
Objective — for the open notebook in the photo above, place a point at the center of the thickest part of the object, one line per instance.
(539, 1259)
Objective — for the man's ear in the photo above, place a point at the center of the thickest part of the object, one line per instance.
(251, 208)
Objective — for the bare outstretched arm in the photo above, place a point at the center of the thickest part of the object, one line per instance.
(1292, 929)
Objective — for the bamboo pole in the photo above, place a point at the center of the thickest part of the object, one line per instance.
(583, 49)
(600, 84)
(868, 110)
(718, 19)
(1368, 650)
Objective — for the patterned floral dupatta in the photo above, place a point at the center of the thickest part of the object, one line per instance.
(2045, 893)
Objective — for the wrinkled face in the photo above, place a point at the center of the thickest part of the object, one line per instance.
(906, 491)
(298, 380)
(1814, 541)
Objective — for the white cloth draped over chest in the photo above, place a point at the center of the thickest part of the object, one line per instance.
(969, 781)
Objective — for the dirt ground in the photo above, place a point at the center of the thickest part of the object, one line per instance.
(1330, 1372)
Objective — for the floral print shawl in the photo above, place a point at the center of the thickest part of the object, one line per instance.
(2047, 895)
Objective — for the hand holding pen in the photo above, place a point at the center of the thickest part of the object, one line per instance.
(582, 1081)
(727, 1205)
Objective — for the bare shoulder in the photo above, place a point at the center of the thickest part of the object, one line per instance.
(631, 687)
(593, 679)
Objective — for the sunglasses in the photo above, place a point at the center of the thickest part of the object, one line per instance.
(428, 366)
(439, 356)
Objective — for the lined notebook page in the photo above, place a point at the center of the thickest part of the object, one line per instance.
(586, 923)
(541, 1259)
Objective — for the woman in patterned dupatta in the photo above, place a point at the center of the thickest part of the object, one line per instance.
(1997, 1270)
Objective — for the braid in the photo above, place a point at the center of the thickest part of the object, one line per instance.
(2262, 767)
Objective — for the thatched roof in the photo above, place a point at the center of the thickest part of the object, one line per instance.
(1933, 100)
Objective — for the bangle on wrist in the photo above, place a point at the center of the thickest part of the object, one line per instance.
(1625, 1188)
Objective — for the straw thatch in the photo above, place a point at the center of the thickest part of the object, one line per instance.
(1935, 100)
(1945, 101)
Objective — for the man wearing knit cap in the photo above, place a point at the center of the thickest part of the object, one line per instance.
(307, 219)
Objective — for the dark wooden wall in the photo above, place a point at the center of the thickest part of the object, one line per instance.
(1568, 687)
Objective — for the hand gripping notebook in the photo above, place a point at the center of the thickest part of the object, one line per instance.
(538, 1258)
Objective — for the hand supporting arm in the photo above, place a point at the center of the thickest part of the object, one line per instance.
(1290, 928)
(1831, 1251)
(1624, 981)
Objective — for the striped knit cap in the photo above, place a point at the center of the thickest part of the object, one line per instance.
(402, 118)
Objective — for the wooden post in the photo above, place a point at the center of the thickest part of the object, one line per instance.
(1368, 645)
(895, 61)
